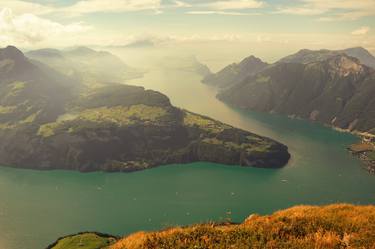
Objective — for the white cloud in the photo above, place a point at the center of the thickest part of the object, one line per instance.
(216, 12)
(20, 7)
(117, 6)
(361, 31)
(235, 5)
(180, 4)
(89, 6)
(335, 9)
(96, 6)
(28, 29)
(301, 11)
(228, 7)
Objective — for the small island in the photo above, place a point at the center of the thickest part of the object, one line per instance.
(365, 150)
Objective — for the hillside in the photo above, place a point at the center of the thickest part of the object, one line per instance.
(85, 64)
(238, 72)
(234, 73)
(336, 90)
(49, 121)
(328, 227)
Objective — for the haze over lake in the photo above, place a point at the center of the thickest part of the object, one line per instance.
(39, 206)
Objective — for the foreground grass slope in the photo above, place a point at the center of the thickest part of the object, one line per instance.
(333, 226)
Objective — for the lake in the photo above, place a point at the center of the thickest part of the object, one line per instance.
(37, 207)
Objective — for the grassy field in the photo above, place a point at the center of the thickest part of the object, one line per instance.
(308, 227)
(371, 155)
(84, 241)
(361, 147)
(119, 115)
(335, 226)
(205, 123)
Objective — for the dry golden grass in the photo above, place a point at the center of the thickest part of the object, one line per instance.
(328, 227)
(362, 147)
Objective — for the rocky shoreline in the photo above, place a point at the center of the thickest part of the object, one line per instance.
(365, 151)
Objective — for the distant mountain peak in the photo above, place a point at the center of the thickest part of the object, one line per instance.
(304, 51)
(358, 51)
(359, 48)
(13, 53)
(235, 72)
(306, 55)
(13, 63)
(81, 50)
(251, 58)
(46, 52)
(362, 54)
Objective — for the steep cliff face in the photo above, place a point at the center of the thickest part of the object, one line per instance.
(337, 90)
(49, 121)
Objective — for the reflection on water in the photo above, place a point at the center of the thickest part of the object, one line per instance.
(37, 207)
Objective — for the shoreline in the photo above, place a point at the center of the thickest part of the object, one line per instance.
(366, 138)
(365, 156)
(365, 151)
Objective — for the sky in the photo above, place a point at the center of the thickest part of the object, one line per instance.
(260, 24)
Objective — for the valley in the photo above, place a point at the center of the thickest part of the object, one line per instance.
(186, 124)
(320, 171)
(111, 126)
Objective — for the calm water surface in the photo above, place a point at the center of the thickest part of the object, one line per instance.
(37, 207)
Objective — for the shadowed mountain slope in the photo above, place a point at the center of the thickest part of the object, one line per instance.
(326, 86)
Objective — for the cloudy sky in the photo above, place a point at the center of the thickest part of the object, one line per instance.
(301, 23)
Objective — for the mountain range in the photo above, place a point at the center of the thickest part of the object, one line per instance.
(306, 55)
(85, 64)
(49, 120)
(331, 87)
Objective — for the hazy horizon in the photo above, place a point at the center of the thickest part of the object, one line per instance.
(226, 29)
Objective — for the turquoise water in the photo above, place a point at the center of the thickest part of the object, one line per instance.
(36, 207)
